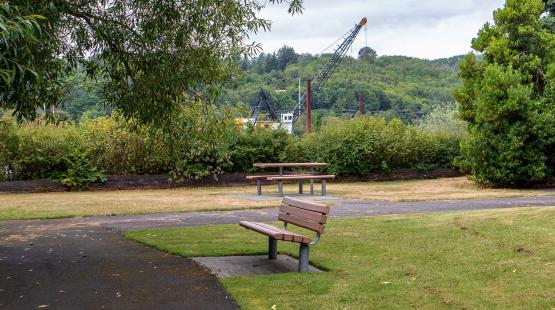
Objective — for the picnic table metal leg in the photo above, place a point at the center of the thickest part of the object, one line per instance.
(258, 187)
(300, 187)
(280, 170)
(280, 188)
(272, 248)
(323, 187)
(311, 186)
(303, 258)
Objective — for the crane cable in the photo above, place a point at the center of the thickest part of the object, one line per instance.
(340, 38)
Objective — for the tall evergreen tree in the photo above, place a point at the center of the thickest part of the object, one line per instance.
(506, 98)
(286, 55)
(270, 62)
(367, 53)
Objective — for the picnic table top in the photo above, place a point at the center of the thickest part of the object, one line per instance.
(274, 165)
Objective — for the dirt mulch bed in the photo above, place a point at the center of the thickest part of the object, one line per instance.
(123, 182)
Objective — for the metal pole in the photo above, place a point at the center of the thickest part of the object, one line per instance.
(258, 187)
(303, 258)
(308, 107)
(360, 108)
(299, 100)
(323, 187)
(272, 248)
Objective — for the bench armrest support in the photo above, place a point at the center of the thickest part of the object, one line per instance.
(315, 239)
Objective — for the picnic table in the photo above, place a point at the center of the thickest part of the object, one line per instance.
(299, 177)
(288, 165)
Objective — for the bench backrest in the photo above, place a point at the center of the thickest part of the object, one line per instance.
(309, 215)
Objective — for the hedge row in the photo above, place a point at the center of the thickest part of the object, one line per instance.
(196, 147)
(364, 145)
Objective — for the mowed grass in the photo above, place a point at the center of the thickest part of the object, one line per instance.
(431, 189)
(103, 203)
(494, 259)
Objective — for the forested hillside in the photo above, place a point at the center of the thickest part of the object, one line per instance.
(391, 86)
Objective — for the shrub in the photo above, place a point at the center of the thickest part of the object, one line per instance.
(121, 150)
(42, 149)
(80, 172)
(197, 140)
(9, 143)
(258, 145)
(365, 144)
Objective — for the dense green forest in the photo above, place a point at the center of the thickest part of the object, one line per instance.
(390, 86)
(393, 86)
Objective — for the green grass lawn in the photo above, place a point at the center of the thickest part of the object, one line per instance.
(482, 259)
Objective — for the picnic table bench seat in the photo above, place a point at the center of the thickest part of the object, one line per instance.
(300, 178)
(259, 177)
(309, 215)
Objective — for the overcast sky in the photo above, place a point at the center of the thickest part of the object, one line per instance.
(420, 28)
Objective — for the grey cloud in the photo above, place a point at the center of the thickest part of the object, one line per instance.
(325, 20)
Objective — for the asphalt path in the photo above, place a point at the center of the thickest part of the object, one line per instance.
(82, 266)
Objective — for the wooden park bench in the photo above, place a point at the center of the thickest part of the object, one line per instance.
(309, 215)
(300, 179)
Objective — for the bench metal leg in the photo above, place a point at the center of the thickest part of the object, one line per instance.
(280, 188)
(311, 186)
(303, 258)
(272, 248)
(300, 187)
(258, 187)
(323, 187)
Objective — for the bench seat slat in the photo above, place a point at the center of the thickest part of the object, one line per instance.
(317, 217)
(261, 229)
(275, 232)
(311, 206)
(288, 235)
(299, 221)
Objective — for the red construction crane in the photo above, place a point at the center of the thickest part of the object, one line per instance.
(329, 68)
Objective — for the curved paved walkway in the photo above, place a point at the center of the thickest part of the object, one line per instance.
(82, 266)
(342, 208)
(85, 263)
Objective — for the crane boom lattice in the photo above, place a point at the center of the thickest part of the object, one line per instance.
(329, 68)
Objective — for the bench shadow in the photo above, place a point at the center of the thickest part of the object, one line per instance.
(247, 265)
